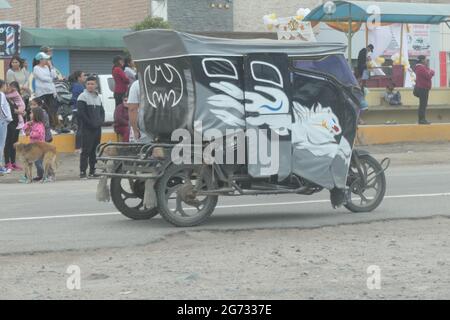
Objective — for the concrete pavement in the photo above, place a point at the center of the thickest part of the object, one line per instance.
(66, 216)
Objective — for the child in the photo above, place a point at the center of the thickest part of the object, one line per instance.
(39, 103)
(35, 129)
(121, 121)
(391, 97)
(92, 116)
(14, 94)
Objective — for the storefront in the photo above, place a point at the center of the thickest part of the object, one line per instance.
(88, 50)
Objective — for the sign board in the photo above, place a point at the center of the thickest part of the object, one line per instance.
(416, 38)
(419, 40)
(9, 39)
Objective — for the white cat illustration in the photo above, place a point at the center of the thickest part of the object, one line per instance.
(316, 129)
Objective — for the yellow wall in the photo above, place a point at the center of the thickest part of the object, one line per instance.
(376, 134)
(65, 143)
(403, 133)
(2, 69)
(438, 97)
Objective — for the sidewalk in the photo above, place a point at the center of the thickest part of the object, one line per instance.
(400, 155)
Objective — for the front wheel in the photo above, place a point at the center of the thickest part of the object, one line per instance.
(178, 200)
(367, 186)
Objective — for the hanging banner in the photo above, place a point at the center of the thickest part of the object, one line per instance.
(419, 40)
(9, 39)
(292, 29)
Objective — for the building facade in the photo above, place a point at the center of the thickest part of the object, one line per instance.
(105, 14)
(192, 16)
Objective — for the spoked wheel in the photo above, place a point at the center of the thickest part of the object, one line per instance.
(178, 200)
(365, 197)
(128, 197)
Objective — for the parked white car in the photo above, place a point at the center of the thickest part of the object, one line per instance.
(106, 90)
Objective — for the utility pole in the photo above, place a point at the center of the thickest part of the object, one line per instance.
(38, 13)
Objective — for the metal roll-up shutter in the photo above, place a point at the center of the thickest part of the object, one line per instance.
(99, 62)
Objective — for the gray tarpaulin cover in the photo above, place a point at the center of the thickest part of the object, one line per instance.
(157, 44)
(251, 85)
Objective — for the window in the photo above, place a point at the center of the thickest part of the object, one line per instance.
(159, 9)
(219, 68)
(336, 65)
(266, 72)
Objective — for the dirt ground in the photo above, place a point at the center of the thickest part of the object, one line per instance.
(400, 154)
(325, 263)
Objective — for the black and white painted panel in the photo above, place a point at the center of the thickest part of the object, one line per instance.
(167, 91)
(219, 92)
(323, 132)
(267, 107)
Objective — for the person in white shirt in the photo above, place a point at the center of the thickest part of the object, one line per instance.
(5, 119)
(136, 114)
(44, 75)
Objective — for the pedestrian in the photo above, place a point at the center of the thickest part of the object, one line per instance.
(92, 116)
(424, 75)
(17, 107)
(130, 69)
(77, 80)
(49, 51)
(35, 129)
(362, 71)
(5, 119)
(136, 115)
(38, 103)
(18, 72)
(391, 97)
(44, 75)
(120, 78)
(13, 93)
(121, 121)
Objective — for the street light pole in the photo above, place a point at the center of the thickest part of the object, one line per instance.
(38, 13)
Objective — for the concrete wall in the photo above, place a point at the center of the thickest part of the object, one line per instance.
(197, 15)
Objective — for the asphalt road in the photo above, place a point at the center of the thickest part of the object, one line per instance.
(66, 216)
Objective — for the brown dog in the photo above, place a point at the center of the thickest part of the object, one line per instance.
(29, 153)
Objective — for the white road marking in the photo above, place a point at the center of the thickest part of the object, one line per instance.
(222, 207)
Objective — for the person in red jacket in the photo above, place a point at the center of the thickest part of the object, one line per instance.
(423, 86)
(122, 121)
(121, 80)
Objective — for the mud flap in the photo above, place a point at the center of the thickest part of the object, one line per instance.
(150, 200)
(103, 194)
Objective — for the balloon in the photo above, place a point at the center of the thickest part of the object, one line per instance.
(380, 60)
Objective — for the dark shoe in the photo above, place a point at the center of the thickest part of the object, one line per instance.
(338, 198)
(93, 175)
(83, 175)
(424, 122)
(37, 179)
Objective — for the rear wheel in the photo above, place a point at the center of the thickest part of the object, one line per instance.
(178, 199)
(365, 197)
(128, 197)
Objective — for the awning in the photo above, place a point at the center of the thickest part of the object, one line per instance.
(4, 4)
(390, 12)
(74, 39)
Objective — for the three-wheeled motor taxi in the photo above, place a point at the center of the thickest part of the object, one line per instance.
(226, 117)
